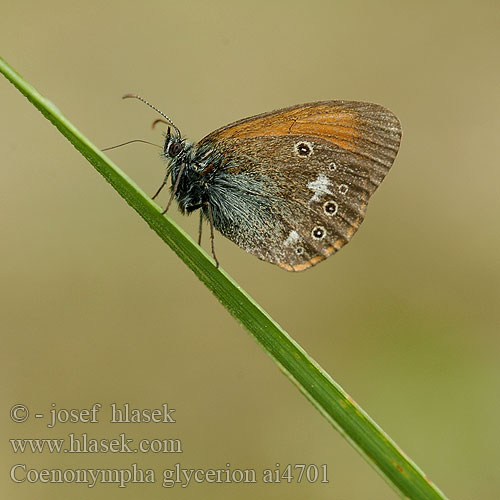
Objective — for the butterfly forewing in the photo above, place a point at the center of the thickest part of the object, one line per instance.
(298, 179)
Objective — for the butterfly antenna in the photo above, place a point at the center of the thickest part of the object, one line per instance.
(130, 142)
(135, 96)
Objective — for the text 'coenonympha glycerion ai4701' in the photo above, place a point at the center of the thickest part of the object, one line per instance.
(289, 186)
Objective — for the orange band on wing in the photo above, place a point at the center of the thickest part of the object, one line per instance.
(312, 262)
(335, 125)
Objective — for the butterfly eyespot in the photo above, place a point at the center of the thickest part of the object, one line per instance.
(174, 149)
(303, 148)
(299, 250)
(343, 188)
(318, 233)
(332, 166)
(330, 207)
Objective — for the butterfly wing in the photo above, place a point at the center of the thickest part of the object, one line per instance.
(294, 183)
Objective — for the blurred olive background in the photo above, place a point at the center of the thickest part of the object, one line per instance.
(96, 308)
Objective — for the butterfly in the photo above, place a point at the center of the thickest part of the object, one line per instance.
(289, 186)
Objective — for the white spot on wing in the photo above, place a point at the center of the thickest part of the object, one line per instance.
(319, 187)
(293, 237)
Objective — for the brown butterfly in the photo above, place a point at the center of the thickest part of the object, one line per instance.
(289, 186)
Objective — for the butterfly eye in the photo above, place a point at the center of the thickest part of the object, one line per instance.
(174, 149)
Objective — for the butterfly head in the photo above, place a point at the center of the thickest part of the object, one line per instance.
(176, 150)
(174, 146)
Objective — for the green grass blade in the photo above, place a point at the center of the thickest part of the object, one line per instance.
(325, 394)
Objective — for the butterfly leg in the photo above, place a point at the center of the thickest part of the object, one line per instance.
(200, 228)
(164, 183)
(174, 190)
(211, 220)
